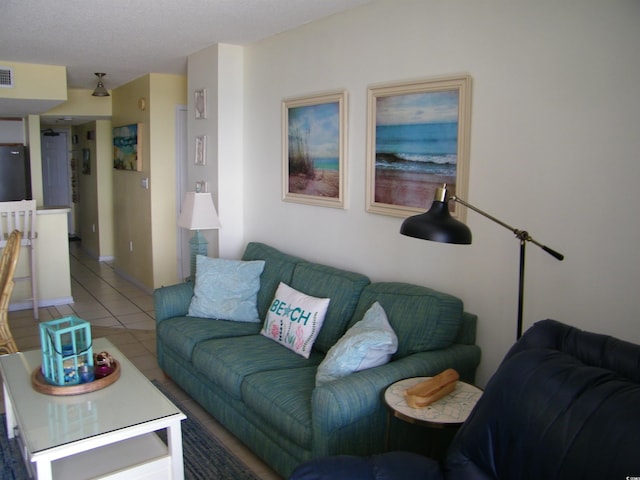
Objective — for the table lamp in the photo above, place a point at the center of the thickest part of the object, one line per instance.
(198, 213)
(439, 226)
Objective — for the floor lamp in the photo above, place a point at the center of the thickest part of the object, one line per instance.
(439, 226)
(198, 213)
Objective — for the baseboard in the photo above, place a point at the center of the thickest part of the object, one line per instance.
(95, 256)
(47, 302)
(130, 279)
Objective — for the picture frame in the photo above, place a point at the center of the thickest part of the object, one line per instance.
(86, 161)
(127, 147)
(201, 150)
(200, 103)
(418, 137)
(202, 186)
(314, 146)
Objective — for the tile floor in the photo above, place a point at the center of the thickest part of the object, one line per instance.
(122, 312)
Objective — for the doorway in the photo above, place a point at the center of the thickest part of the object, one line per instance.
(56, 172)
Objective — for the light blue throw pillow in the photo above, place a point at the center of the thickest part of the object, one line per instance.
(367, 344)
(226, 289)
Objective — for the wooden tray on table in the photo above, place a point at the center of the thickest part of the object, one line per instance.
(41, 385)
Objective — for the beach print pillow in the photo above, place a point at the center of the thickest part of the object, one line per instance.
(294, 319)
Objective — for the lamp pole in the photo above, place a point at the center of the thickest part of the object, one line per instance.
(524, 237)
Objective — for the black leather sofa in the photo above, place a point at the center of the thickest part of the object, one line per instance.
(564, 404)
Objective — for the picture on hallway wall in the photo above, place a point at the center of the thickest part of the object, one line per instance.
(314, 149)
(127, 147)
(418, 136)
(86, 161)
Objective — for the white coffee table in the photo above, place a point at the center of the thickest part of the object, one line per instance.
(108, 433)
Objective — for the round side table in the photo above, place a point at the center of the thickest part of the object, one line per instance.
(449, 412)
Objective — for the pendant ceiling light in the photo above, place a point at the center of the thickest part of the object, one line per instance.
(100, 91)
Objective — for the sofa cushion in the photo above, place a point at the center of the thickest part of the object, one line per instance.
(295, 319)
(278, 268)
(227, 361)
(226, 289)
(423, 319)
(182, 334)
(367, 344)
(341, 286)
(283, 398)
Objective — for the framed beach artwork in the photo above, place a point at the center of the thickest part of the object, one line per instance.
(418, 136)
(314, 149)
(127, 147)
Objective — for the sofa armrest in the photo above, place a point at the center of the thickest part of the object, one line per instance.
(172, 301)
(467, 333)
(342, 402)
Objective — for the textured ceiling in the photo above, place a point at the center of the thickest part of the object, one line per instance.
(130, 38)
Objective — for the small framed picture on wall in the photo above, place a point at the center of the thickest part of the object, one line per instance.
(200, 103)
(201, 150)
(86, 161)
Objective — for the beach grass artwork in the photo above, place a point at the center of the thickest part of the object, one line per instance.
(313, 149)
(127, 151)
(418, 139)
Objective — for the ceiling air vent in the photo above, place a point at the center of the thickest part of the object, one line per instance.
(6, 77)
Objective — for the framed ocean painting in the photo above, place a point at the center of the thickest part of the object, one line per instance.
(127, 147)
(418, 137)
(314, 149)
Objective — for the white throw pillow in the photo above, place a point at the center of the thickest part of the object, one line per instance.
(368, 343)
(294, 319)
(226, 289)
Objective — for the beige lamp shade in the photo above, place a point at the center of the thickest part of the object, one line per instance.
(198, 212)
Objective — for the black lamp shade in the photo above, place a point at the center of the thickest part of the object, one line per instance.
(437, 225)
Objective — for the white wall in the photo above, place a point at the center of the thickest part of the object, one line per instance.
(554, 150)
(230, 150)
(219, 70)
(202, 70)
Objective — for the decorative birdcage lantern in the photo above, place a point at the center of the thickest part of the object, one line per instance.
(66, 347)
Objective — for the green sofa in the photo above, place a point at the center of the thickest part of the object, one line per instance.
(265, 394)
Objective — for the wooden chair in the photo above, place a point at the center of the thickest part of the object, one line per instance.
(8, 263)
(21, 215)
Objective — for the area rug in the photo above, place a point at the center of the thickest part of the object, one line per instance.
(11, 466)
(205, 458)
